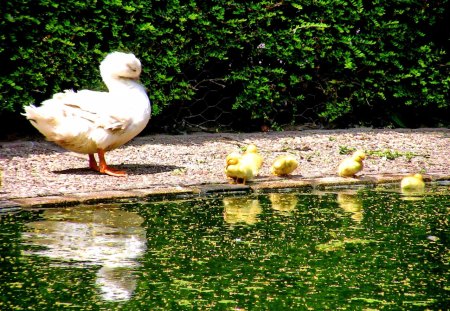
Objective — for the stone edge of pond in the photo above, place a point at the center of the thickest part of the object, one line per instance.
(188, 192)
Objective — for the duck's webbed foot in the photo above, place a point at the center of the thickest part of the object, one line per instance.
(104, 168)
(113, 172)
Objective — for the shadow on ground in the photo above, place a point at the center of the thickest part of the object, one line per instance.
(131, 169)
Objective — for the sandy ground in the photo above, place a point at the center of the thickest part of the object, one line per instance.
(40, 168)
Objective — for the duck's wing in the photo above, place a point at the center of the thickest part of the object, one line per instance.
(101, 109)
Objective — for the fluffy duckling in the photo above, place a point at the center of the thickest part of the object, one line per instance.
(413, 183)
(233, 158)
(252, 154)
(284, 165)
(349, 167)
(243, 167)
(240, 171)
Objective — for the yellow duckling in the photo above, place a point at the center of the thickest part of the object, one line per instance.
(413, 183)
(252, 153)
(284, 165)
(240, 171)
(352, 165)
(233, 158)
(243, 167)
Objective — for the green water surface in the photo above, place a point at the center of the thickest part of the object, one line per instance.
(346, 250)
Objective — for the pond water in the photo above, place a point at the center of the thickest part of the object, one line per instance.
(348, 250)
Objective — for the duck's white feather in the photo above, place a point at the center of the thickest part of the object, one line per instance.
(86, 121)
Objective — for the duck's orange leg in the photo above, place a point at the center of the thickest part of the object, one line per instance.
(104, 168)
(93, 163)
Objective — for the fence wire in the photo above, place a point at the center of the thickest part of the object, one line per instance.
(211, 110)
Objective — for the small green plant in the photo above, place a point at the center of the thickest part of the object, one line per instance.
(346, 150)
(392, 154)
(179, 171)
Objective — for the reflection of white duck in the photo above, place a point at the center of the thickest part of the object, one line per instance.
(241, 210)
(92, 122)
(116, 283)
(111, 238)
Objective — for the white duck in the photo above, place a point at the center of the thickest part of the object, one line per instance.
(92, 122)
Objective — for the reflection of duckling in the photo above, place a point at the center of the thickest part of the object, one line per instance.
(413, 183)
(352, 165)
(243, 167)
(352, 204)
(244, 210)
(283, 202)
(284, 165)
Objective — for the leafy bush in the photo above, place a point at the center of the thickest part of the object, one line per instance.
(343, 62)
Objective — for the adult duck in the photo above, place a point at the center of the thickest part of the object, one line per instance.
(90, 122)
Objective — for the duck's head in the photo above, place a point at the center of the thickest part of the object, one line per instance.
(232, 158)
(232, 161)
(359, 155)
(418, 176)
(251, 149)
(118, 65)
(279, 163)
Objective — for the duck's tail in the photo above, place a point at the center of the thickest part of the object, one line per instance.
(44, 121)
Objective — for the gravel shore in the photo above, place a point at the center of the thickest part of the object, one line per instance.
(40, 168)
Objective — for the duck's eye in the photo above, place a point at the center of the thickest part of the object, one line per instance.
(132, 68)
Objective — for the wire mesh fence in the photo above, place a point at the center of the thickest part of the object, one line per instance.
(211, 110)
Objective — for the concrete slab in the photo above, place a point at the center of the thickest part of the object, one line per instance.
(171, 193)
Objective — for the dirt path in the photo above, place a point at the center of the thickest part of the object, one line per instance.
(39, 168)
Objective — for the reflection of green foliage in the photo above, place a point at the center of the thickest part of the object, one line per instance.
(315, 257)
(250, 265)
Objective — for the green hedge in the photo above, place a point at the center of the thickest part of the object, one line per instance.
(333, 62)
